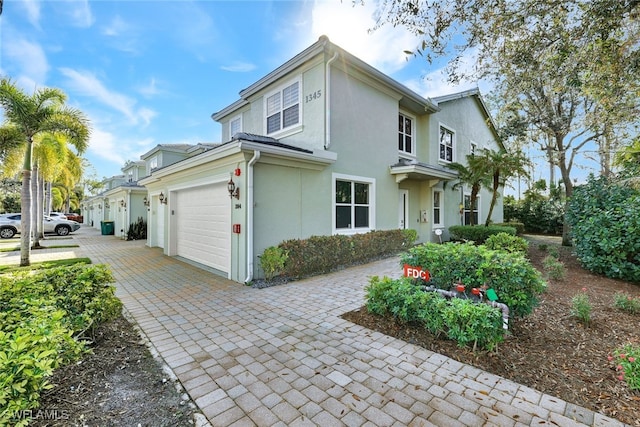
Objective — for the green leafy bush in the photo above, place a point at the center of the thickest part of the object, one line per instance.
(517, 283)
(43, 317)
(554, 268)
(461, 320)
(272, 261)
(605, 229)
(322, 254)
(517, 225)
(507, 242)
(478, 233)
(626, 303)
(470, 323)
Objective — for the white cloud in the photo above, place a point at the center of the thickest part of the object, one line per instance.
(116, 27)
(32, 7)
(150, 89)
(103, 144)
(80, 13)
(239, 67)
(29, 59)
(87, 84)
(349, 27)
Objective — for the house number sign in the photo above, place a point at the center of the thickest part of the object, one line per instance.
(313, 96)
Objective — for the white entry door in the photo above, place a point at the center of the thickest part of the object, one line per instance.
(403, 209)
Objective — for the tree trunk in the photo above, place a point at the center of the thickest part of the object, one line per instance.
(568, 191)
(25, 208)
(494, 198)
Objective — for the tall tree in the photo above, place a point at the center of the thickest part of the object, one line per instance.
(32, 115)
(541, 55)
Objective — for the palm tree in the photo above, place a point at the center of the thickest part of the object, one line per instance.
(27, 116)
(473, 175)
(500, 166)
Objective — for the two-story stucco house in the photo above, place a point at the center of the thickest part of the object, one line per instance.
(324, 144)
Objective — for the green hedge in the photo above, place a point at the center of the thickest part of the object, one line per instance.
(517, 283)
(517, 225)
(460, 320)
(43, 317)
(478, 233)
(322, 254)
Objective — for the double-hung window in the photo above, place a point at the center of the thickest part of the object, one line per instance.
(447, 141)
(470, 211)
(353, 204)
(283, 108)
(406, 143)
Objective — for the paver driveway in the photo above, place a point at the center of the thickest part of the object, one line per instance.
(282, 355)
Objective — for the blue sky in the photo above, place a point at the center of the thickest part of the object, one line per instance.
(152, 72)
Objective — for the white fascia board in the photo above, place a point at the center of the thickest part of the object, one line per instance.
(317, 156)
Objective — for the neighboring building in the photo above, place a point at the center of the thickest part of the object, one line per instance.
(325, 144)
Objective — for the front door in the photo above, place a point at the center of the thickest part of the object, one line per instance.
(403, 209)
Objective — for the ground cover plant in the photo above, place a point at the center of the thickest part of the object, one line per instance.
(551, 350)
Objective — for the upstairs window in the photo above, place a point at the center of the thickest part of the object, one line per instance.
(283, 108)
(153, 163)
(405, 134)
(235, 126)
(446, 144)
(473, 149)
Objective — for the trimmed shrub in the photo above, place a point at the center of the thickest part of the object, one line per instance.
(322, 254)
(517, 283)
(605, 227)
(517, 225)
(461, 320)
(272, 261)
(478, 233)
(508, 243)
(43, 317)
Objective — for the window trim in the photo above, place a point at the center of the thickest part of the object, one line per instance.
(372, 205)
(233, 119)
(473, 148)
(439, 224)
(279, 90)
(412, 153)
(453, 143)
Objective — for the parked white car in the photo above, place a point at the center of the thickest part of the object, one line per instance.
(57, 215)
(10, 225)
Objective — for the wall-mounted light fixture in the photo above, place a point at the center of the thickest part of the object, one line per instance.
(461, 207)
(163, 199)
(233, 190)
(99, 206)
(145, 201)
(123, 204)
(106, 204)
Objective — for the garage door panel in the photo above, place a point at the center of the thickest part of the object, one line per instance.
(203, 225)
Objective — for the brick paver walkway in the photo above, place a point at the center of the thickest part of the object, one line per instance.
(282, 356)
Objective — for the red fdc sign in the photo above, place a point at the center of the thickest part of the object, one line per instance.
(416, 273)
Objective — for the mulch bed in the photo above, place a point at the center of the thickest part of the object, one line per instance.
(118, 384)
(550, 350)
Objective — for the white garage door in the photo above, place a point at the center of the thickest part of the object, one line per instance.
(203, 225)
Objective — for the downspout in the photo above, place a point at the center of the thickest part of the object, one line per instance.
(254, 159)
(327, 99)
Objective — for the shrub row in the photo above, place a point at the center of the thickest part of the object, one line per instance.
(43, 318)
(460, 320)
(322, 254)
(517, 283)
(478, 233)
(517, 225)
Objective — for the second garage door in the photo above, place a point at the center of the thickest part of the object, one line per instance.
(203, 225)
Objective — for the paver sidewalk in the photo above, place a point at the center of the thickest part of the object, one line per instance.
(282, 356)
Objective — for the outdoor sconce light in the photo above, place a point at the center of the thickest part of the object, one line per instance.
(163, 199)
(461, 206)
(233, 190)
(106, 204)
(145, 201)
(99, 206)
(123, 204)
